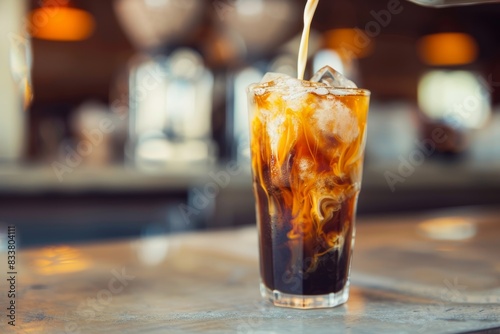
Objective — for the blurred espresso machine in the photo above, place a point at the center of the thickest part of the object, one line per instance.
(15, 80)
(170, 87)
(170, 108)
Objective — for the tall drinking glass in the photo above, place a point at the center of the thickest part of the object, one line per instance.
(307, 146)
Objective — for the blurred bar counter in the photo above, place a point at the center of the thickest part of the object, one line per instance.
(115, 202)
(465, 179)
(39, 180)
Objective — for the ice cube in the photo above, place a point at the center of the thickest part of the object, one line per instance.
(330, 77)
(275, 127)
(293, 91)
(293, 82)
(294, 96)
(321, 91)
(259, 91)
(271, 76)
(335, 118)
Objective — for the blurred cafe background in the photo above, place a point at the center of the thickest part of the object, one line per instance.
(128, 117)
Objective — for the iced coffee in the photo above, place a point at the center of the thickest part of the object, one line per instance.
(307, 145)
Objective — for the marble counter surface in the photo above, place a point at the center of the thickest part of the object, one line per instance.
(411, 274)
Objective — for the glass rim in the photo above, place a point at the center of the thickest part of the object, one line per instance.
(339, 91)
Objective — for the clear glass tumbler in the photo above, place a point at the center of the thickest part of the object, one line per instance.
(307, 147)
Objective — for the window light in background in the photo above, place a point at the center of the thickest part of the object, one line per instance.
(458, 98)
(21, 65)
(448, 49)
(60, 22)
(15, 80)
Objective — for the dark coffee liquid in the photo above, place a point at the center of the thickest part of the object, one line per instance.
(295, 275)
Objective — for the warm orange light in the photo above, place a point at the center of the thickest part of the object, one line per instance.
(61, 24)
(447, 49)
(60, 260)
(349, 43)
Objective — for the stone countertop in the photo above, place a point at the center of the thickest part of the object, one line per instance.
(411, 274)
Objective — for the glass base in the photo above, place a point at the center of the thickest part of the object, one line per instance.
(305, 302)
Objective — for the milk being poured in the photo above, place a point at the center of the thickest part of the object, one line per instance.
(304, 42)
